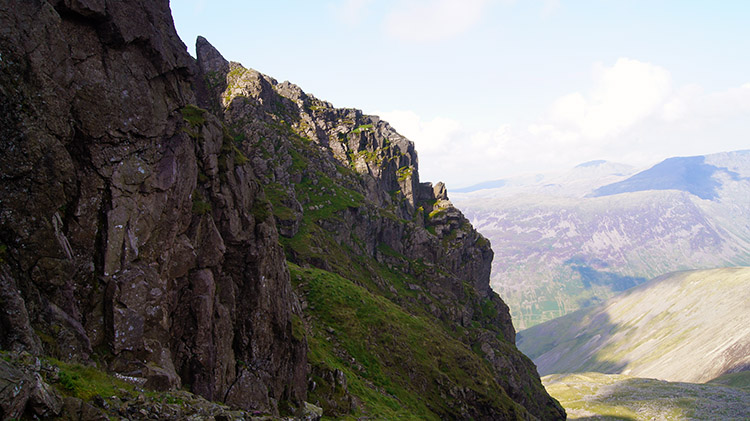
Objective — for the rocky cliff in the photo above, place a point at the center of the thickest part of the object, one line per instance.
(151, 201)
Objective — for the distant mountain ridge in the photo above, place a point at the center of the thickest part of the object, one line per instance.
(689, 174)
(594, 163)
(482, 186)
(578, 181)
(571, 240)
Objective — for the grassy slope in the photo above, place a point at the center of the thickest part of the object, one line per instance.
(612, 396)
(395, 363)
(110, 396)
(382, 329)
(395, 356)
(687, 326)
(739, 380)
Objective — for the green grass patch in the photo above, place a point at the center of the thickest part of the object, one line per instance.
(739, 380)
(261, 210)
(371, 157)
(389, 251)
(404, 172)
(277, 195)
(86, 382)
(396, 358)
(193, 115)
(200, 205)
(323, 198)
(239, 157)
(435, 213)
(482, 241)
(363, 128)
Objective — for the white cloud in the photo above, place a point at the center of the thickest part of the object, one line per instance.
(622, 96)
(448, 152)
(429, 136)
(351, 11)
(432, 20)
(733, 101)
(631, 114)
(678, 106)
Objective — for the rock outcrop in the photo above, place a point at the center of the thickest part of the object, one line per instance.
(347, 198)
(127, 237)
(151, 201)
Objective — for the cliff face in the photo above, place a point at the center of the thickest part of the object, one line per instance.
(109, 251)
(150, 203)
(345, 192)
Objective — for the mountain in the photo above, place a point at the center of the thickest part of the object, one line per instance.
(689, 326)
(482, 186)
(691, 174)
(577, 182)
(193, 225)
(599, 230)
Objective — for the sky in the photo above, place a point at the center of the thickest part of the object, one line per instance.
(490, 89)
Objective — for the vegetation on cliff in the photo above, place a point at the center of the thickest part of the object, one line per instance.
(152, 202)
(385, 267)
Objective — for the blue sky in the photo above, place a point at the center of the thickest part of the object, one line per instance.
(488, 89)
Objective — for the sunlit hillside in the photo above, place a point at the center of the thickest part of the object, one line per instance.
(687, 326)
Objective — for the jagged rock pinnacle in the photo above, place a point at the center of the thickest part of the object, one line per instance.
(209, 58)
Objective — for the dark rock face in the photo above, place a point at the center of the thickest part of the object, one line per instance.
(111, 247)
(143, 232)
(345, 188)
(15, 387)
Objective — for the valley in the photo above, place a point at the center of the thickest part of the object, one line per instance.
(573, 240)
(675, 348)
(596, 396)
(627, 285)
(688, 326)
(189, 238)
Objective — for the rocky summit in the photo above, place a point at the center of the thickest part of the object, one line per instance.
(194, 228)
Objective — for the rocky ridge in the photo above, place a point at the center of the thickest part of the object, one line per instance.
(346, 195)
(150, 203)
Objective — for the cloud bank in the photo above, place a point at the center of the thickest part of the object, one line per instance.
(632, 114)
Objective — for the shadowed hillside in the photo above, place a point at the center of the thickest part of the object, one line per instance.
(687, 326)
(690, 174)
